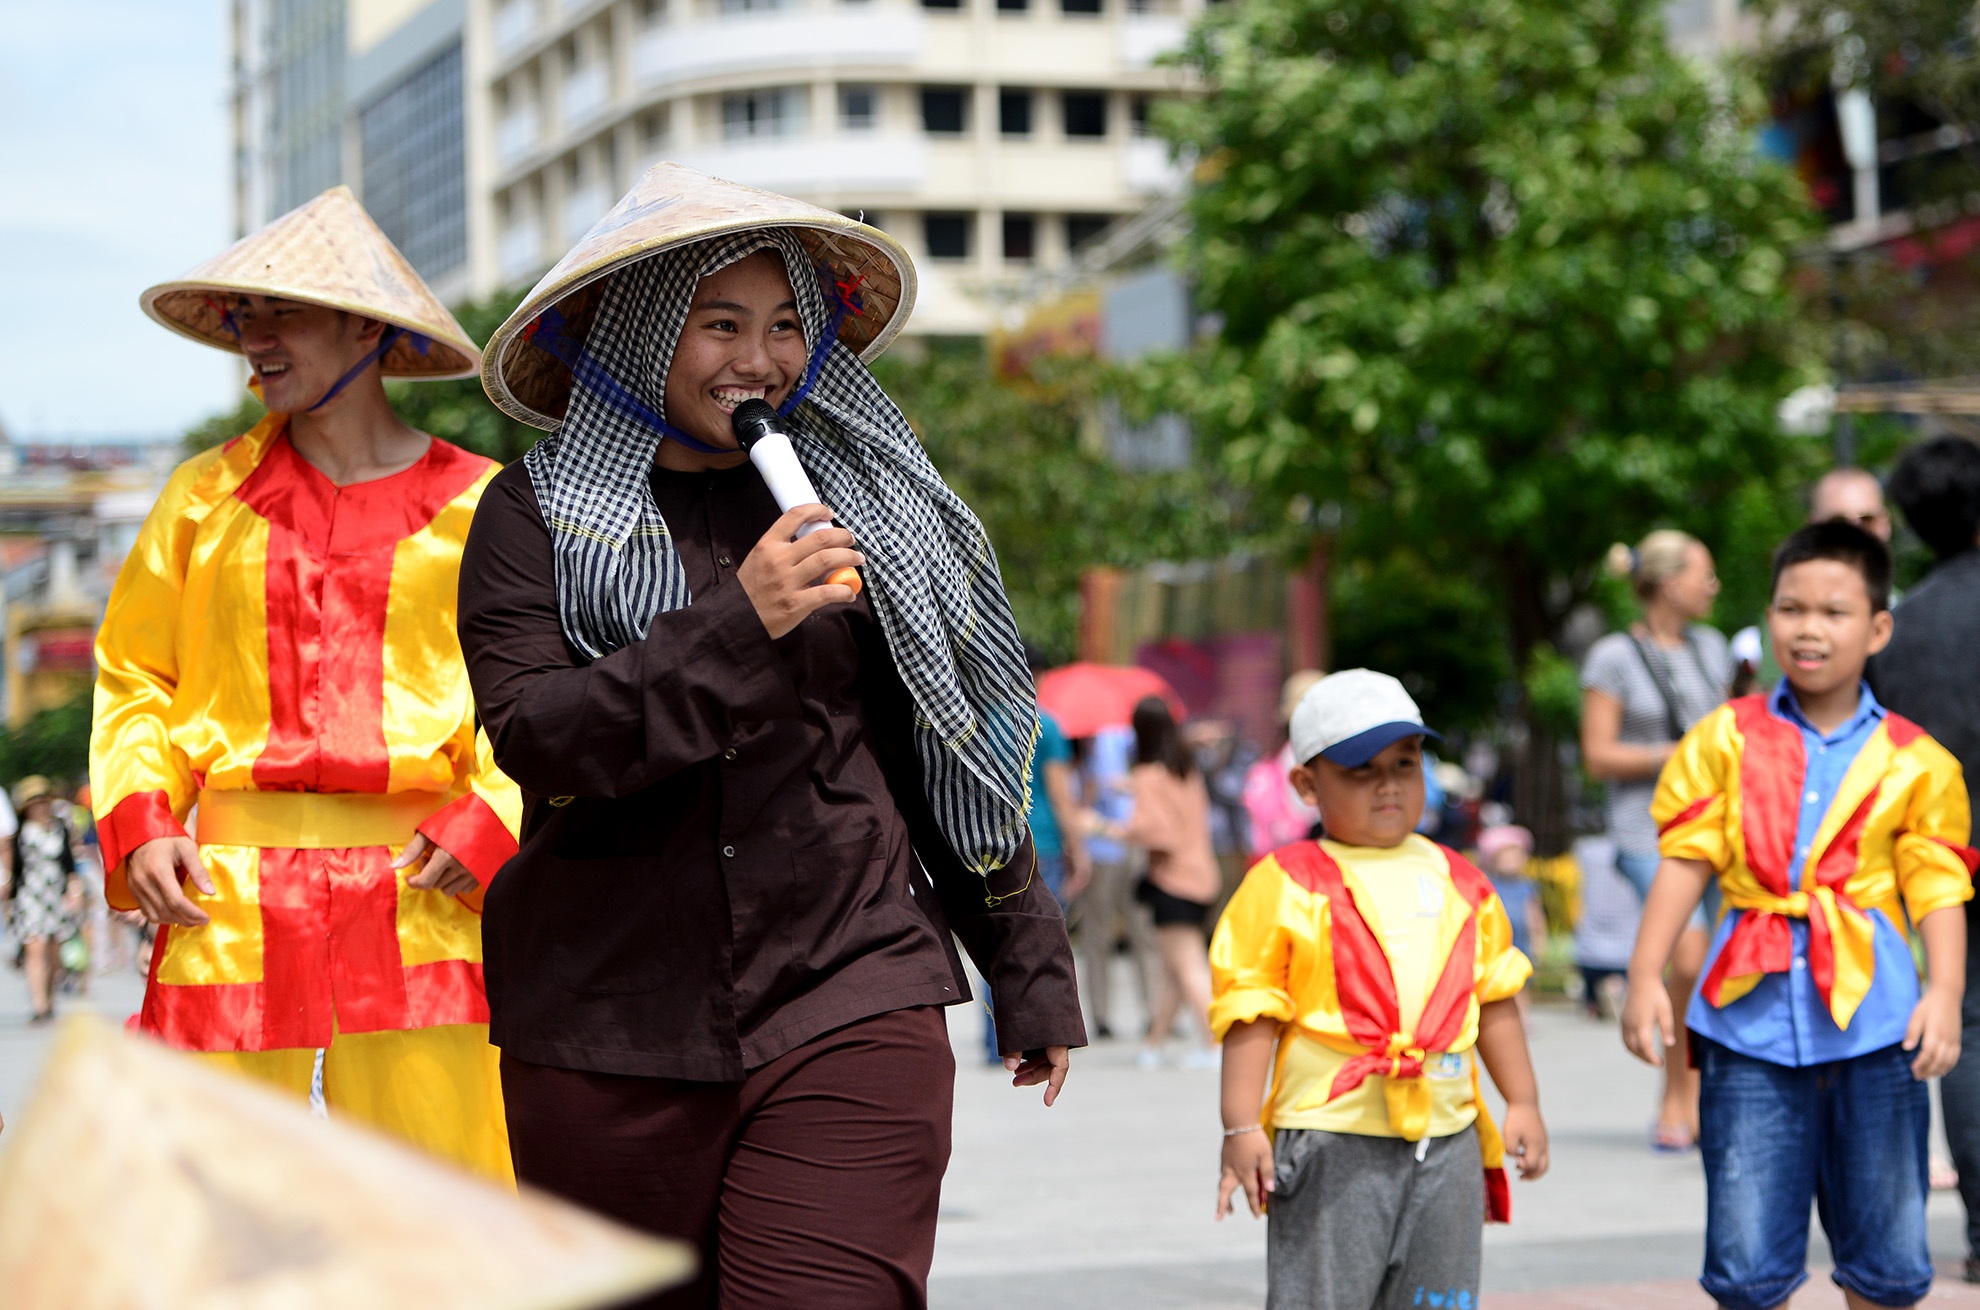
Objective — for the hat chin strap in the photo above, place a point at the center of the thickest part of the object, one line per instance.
(420, 342)
(386, 338)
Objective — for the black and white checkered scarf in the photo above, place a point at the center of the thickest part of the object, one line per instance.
(930, 573)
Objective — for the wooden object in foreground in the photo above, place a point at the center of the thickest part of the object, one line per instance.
(139, 1178)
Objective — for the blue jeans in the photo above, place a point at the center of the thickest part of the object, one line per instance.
(1851, 1135)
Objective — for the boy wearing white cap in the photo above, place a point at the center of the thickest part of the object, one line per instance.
(1358, 972)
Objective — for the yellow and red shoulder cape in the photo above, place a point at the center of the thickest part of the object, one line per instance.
(1893, 841)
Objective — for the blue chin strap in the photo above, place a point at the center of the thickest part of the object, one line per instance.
(550, 332)
(420, 342)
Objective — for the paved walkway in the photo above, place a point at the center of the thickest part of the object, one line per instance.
(1104, 1201)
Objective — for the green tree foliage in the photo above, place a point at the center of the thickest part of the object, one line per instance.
(1504, 280)
(1052, 504)
(53, 743)
(459, 410)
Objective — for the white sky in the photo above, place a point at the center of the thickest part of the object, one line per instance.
(114, 175)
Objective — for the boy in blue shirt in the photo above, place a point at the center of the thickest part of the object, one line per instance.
(1831, 825)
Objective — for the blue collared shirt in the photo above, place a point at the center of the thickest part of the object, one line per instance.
(1783, 1020)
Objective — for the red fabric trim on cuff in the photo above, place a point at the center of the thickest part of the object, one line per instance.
(140, 817)
(471, 832)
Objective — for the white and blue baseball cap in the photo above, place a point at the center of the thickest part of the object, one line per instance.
(1352, 716)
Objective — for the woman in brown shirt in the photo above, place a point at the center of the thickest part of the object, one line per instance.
(718, 964)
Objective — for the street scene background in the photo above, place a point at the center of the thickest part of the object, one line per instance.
(1264, 335)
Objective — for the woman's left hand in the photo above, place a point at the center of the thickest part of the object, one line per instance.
(442, 873)
(1050, 1068)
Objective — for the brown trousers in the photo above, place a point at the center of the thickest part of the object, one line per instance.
(813, 1182)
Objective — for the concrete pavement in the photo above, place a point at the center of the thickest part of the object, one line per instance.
(1105, 1200)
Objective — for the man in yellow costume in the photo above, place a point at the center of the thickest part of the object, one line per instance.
(279, 661)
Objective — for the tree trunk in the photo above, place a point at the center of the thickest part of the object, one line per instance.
(1539, 785)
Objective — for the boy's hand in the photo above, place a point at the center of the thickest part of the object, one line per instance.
(1647, 1027)
(1526, 1140)
(1247, 1164)
(1934, 1033)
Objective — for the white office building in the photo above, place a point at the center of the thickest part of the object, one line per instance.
(992, 137)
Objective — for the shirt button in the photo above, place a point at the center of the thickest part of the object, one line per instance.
(725, 562)
(729, 754)
(1800, 963)
(729, 853)
(1813, 797)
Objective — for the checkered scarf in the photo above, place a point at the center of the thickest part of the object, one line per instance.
(931, 575)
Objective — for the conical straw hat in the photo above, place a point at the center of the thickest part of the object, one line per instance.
(672, 206)
(140, 1177)
(327, 252)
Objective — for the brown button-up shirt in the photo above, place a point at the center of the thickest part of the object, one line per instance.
(721, 831)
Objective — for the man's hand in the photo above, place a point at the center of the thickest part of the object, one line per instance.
(1647, 1027)
(153, 873)
(1526, 1140)
(1934, 1033)
(442, 872)
(1050, 1069)
(782, 572)
(1247, 1164)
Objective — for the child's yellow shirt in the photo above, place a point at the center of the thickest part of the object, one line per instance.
(1274, 957)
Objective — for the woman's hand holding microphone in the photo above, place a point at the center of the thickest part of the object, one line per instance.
(782, 573)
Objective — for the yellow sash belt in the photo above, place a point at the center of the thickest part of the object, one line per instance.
(304, 820)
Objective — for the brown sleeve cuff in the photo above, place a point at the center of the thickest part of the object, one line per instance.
(1020, 946)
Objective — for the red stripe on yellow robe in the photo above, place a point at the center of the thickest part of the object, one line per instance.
(275, 632)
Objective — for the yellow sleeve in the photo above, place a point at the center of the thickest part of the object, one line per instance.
(1934, 866)
(1691, 802)
(1502, 967)
(1251, 952)
(141, 784)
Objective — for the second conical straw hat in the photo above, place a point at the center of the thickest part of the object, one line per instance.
(671, 206)
(327, 252)
(139, 1177)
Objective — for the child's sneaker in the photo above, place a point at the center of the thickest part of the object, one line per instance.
(1148, 1059)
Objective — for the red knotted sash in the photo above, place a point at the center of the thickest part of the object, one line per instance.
(1772, 771)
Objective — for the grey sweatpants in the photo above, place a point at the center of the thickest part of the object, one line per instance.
(1359, 1223)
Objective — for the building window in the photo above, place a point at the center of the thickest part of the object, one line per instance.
(1083, 229)
(650, 12)
(1014, 112)
(859, 108)
(950, 5)
(1020, 237)
(768, 112)
(414, 164)
(1013, 6)
(753, 6)
(945, 110)
(1082, 8)
(947, 235)
(1138, 108)
(1085, 114)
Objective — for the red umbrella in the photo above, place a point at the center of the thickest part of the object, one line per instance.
(1085, 698)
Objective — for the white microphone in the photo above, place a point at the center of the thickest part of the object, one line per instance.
(760, 430)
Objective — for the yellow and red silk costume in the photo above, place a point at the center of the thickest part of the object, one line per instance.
(281, 652)
(1893, 841)
(1294, 947)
